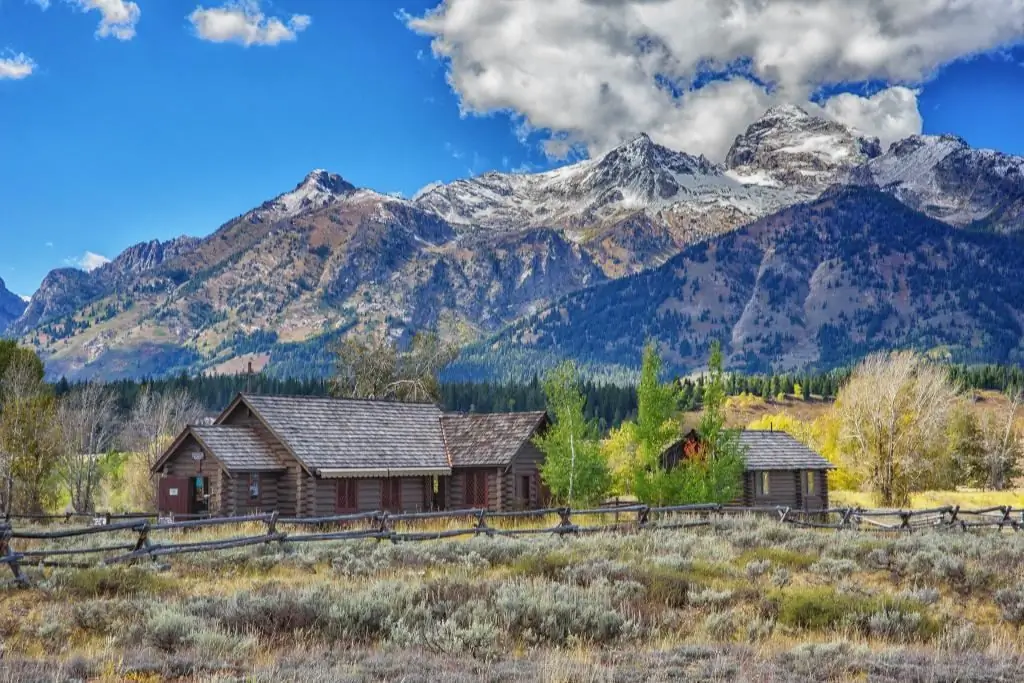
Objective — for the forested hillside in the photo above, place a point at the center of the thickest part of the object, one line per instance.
(818, 285)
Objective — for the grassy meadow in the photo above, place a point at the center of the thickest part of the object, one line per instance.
(746, 599)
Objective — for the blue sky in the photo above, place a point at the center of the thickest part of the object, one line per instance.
(112, 140)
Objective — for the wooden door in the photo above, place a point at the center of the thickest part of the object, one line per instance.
(175, 495)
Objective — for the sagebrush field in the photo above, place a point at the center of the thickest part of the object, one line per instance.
(742, 600)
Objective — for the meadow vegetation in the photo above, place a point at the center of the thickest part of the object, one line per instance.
(746, 599)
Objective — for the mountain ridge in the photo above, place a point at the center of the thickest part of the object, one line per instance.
(812, 286)
(328, 258)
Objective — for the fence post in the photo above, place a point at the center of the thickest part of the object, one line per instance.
(905, 524)
(386, 529)
(953, 515)
(6, 532)
(847, 519)
(565, 525)
(481, 526)
(143, 542)
(272, 526)
(1006, 516)
(643, 517)
(783, 514)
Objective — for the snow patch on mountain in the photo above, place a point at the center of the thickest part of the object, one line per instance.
(788, 147)
(639, 175)
(318, 189)
(942, 176)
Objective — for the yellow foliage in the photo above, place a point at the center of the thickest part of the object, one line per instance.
(744, 400)
(620, 452)
(821, 435)
(931, 499)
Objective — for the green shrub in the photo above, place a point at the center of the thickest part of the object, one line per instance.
(779, 557)
(110, 582)
(665, 586)
(822, 608)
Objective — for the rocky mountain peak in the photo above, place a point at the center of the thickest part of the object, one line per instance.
(788, 147)
(145, 256)
(325, 181)
(318, 189)
(787, 112)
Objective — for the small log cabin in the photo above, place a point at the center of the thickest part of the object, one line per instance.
(780, 471)
(312, 456)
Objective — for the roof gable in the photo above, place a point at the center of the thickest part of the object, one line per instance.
(358, 435)
(240, 449)
(235, 448)
(488, 439)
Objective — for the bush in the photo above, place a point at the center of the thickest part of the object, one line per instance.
(779, 557)
(757, 568)
(833, 570)
(720, 625)
(1011, 604)
(170, 631)
(822, 608)
(110, 582)
(665, 586)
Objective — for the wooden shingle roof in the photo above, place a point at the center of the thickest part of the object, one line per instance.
(484, 440)
(238, 448)
(339, 437)
(773, 450)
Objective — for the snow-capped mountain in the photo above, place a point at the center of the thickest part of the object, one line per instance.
(318, 189)
(790, 148)
(638, 176)
(328, 258)
(945, 178)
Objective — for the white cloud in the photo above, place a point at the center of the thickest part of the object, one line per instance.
(14, 67)
(890, 115)
(117, 17)
(244, 23)
(49, 244)
(89, 261)
(596, 69)
(43, 4)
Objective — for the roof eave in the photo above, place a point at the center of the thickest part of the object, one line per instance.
(381, 472)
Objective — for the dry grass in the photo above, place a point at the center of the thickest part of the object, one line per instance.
(745, 600)
(930, 499)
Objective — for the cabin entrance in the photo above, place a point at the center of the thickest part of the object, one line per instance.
(184, 495)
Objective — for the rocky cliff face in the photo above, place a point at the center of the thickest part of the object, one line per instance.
(789, 147)
(11, 307)
(943, 177)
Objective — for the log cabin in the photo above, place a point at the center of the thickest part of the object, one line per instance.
(779, 470)
(313, 456)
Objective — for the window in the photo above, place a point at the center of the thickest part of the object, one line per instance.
(254, 486)
(346, 496)
(763, 484)
(391, 495)
(524, 488)
(476, 488)
(810, 483)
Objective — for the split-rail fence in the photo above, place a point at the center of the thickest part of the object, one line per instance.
(42, 530)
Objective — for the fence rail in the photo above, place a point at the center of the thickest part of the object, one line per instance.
(404, 527)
